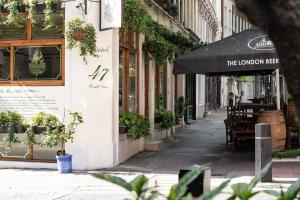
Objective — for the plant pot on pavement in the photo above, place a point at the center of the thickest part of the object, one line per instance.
(179, 120)
(64, 163)
(158, 119)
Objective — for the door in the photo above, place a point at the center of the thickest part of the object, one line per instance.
(190, 98)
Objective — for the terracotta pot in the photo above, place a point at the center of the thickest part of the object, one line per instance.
(79, 34)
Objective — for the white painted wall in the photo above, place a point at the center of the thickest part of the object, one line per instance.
(96, 141)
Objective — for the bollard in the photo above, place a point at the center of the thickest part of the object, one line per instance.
(263, 149)
(200, 185)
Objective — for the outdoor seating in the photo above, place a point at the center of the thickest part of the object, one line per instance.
(241, 120)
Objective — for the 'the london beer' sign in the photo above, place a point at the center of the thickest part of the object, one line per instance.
(110, 14)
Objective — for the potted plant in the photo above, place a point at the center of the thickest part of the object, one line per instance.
(58, 133)
(168, 120)
(138, 125)
(49, 22)
(82, 35)
(4, 120)
(17, 121)
(15, 18)
(32, 11)
(123, 122)
(180, 108)
(158, 116)
(38, 123)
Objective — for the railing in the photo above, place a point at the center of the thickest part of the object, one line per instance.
(169, 7)
(207, 11)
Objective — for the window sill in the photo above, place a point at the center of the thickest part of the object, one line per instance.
(33, 83)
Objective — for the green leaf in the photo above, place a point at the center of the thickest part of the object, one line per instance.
(293, 190)
(179, 190)
(214, 192)
(258, 177)
(115, 180)
(188, 197)
(240, 189)
(139, 185)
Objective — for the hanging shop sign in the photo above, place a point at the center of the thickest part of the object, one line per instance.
(110, 14)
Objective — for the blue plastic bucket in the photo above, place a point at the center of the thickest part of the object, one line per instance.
(64, 163)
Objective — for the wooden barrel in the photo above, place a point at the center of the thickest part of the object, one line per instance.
(278, 126)
(292, 118)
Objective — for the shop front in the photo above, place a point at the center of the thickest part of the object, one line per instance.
(40, 74)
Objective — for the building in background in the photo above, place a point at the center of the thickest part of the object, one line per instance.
(232, 22)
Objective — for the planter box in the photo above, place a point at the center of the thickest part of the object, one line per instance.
(123, 129)
(158, 119)
(41, 7)
(39, 129)
(4, 129)
(20, 129)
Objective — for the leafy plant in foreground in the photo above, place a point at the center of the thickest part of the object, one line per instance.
(244, 191)
(138, 187)
(290, 194)
(141, 191)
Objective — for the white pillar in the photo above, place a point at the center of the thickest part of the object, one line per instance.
(278, 89)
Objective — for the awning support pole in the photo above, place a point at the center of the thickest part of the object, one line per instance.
(278, 89)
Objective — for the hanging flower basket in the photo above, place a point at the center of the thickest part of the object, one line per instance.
(79, 34)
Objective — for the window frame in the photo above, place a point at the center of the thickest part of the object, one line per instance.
(12, 44)
(158, 85)
(127, 50)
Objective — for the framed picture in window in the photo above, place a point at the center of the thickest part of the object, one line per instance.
(110, 14)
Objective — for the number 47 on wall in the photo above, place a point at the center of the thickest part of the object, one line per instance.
(99, 73)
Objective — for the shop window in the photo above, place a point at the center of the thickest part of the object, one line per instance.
(32, 56)
(128, 71)
(161, 86)
(13, 33)
(121, 80)
(37, 63)
(132, 83)
(38, 31)
(4, 64)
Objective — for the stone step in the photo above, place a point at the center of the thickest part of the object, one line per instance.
(154, 145)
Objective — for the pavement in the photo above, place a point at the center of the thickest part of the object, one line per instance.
(200, 143)
(203, 142)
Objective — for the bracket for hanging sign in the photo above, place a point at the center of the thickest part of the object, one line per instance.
(83, 5)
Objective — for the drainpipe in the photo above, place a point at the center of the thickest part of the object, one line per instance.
(222, 18)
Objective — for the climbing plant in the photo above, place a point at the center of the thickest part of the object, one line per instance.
(160, 41)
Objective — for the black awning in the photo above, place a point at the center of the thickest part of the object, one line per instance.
(246, 53)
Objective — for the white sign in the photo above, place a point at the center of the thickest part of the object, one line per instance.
(110, 14)
(261, 43)
(249, 62)
(30, 100)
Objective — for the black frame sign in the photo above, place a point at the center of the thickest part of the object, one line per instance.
(110, 14)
